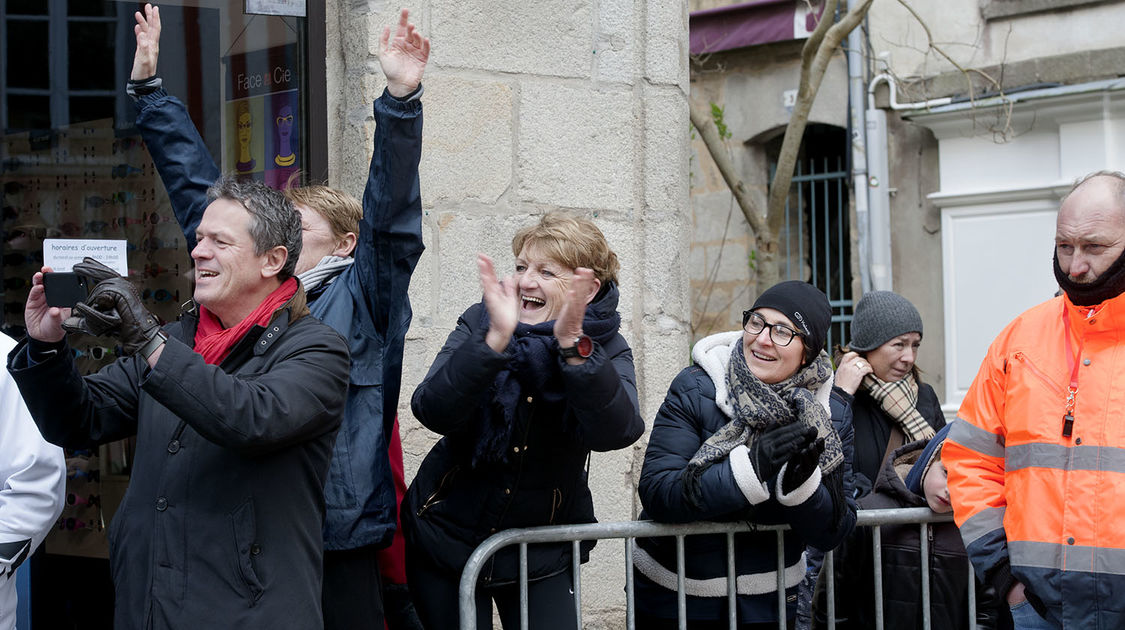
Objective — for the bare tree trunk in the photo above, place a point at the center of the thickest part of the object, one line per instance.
(701, 119)
(818, 51)
(815, 56)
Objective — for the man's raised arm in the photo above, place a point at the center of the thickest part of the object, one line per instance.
(177, 150)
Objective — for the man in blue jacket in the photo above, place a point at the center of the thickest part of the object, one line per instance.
(356, 266)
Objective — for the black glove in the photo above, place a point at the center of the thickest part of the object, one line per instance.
(801, 466)
(114, 308)
(770, 450)
(95, 326)
(94, 270)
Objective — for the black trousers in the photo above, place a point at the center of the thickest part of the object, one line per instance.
(550, 601)
(352, 596)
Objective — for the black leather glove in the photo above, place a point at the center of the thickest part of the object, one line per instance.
(94, 270)
(95, 326)
(802, 466)
(770, 450)
(114, 308)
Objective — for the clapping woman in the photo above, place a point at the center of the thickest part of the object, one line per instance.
(531, 380)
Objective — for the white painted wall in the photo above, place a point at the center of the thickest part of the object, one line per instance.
(999, 202)
(958, 27)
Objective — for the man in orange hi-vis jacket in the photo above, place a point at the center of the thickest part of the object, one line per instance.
(1036, 458)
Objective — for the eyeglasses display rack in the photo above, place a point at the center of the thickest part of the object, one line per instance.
(89, 181)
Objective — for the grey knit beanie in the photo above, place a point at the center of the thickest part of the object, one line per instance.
(881, 316)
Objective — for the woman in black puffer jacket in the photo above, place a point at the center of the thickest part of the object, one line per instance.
(532, 379)
(747, 433)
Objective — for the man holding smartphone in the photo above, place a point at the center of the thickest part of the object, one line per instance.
(235, 408)
(355, 265)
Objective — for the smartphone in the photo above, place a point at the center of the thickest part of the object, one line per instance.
(64, 288)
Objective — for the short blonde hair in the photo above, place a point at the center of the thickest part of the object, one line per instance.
(342, 211)
(572, 241)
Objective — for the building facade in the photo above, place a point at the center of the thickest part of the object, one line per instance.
(964, 122)
(530, 108)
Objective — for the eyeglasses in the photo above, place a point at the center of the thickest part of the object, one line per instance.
(88, 475)
(124, 170)
(92, 500)
(780, 334)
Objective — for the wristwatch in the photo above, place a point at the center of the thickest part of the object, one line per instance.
(152, 344)
(583, 347)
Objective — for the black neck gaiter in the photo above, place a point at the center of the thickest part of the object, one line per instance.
(1106, 286)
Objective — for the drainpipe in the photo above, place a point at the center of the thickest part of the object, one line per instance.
(878, 179)
(878, 199)
(858, 126)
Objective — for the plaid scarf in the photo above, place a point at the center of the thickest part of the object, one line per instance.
(899, 400)
(759, 407)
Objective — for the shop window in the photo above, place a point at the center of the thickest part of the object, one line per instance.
(73, 166)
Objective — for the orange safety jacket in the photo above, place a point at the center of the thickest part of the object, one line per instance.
(1048, 507)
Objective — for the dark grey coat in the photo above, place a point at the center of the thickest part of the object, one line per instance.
(221, 524)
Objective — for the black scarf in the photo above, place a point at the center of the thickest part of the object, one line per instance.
(1106, 286)
(533, 369)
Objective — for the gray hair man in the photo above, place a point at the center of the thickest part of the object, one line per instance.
(235, 409)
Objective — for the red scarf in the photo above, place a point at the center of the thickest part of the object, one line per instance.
(215, 342)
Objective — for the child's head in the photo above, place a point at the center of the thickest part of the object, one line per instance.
(927, 476)
(934, 485)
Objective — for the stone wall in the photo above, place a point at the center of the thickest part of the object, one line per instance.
(578, 105)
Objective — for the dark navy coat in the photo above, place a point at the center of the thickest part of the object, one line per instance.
(688, 416)
(452, 507)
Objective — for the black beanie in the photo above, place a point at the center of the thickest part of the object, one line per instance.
(804, 305)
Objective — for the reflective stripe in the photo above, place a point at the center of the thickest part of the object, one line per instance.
(973, 437)
(1065, 557)
(1039, 455)
(982, 523)
(748, 584)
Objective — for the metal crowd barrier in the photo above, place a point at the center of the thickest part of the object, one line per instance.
(630, 530)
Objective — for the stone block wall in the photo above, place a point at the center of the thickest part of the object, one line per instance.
(576, 105)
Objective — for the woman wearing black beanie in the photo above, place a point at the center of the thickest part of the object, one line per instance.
(746, 433)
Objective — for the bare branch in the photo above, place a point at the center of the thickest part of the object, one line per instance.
(811, 76)
(812, 44)
(715, 146)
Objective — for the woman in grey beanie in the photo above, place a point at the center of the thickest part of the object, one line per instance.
(889, 404)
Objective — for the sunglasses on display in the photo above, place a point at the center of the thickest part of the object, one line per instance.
(22, 259)
(74, 524)
(153, 270)
(124, 144)
(159, 295)
(96, 353)
(124, 170)
(90, 500)
(87, 475)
